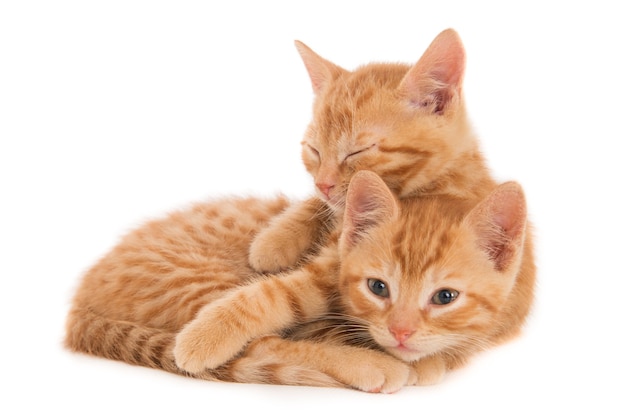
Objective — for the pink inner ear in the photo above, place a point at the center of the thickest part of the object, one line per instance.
(369, 202)
(436, 100)
(438, 75)
(510, 213)
(500, 223)
(450, 66)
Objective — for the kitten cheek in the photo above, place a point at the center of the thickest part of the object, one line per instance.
(311, 168)
(382, 336)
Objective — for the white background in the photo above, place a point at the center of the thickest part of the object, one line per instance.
(115, 112)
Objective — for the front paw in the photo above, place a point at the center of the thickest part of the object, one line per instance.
(371, 371)
(429, 371)
(206, 344)
(273, 251)
(383, 377)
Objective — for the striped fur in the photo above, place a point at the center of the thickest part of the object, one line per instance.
(183, 293)
(152, 292)
(178, 295)
(408, 124)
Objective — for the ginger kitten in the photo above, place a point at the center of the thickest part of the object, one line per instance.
(403, 292)
(408, 124)
(410, 268)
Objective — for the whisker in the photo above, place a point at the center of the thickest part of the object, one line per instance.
(336, 327)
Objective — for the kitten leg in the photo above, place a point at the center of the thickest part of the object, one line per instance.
(223, 328)
(429, 370)
(272, 359)
(288, 236)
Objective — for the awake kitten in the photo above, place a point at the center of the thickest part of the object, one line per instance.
(133, 303)
(406, 123)
(411, 288)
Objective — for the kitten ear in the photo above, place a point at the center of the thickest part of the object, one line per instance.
(499, 221)
(369, 202)
(321, 71)
(435, 81)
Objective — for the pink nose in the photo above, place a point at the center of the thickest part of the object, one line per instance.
(401, 334)
(325, 188)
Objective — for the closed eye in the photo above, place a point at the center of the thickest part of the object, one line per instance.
(359, 151)
(313, 150)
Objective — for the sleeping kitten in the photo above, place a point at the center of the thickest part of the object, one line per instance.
(411, 289)
(406, 123)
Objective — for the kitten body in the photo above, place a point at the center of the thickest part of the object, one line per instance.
(407, 290)
(135, 301)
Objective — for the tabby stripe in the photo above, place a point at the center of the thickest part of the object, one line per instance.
(269, 374)
(114, 339)
(404, 173)
(242, 312)
(404, 149)
(91, 333)
(194, 301)
(483, 301)
(293, 300)
(175, 259)
(212, 276)
(140, 345)
(162, 299)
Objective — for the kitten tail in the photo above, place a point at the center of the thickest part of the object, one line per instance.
(93, 334)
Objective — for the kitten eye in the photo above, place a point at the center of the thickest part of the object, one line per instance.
(354, 153)
(359, 151)
(444, 296)
(313, 150)
(378, 287)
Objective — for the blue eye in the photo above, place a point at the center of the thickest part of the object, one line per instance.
(378, 287)
(444, 296)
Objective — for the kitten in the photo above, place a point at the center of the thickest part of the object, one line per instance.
(411, 288)
(156, 299)
(133, 303)
(406, 123)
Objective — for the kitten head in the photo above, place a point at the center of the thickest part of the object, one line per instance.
(405, 123)
(430, 275)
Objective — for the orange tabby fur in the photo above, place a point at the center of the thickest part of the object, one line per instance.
(179, 293)
(408, 124)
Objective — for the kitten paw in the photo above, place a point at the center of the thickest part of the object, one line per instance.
(378, 374)
(429, 371)
(386, 380)
(206, 344)
(272, 251)
(413, 377)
